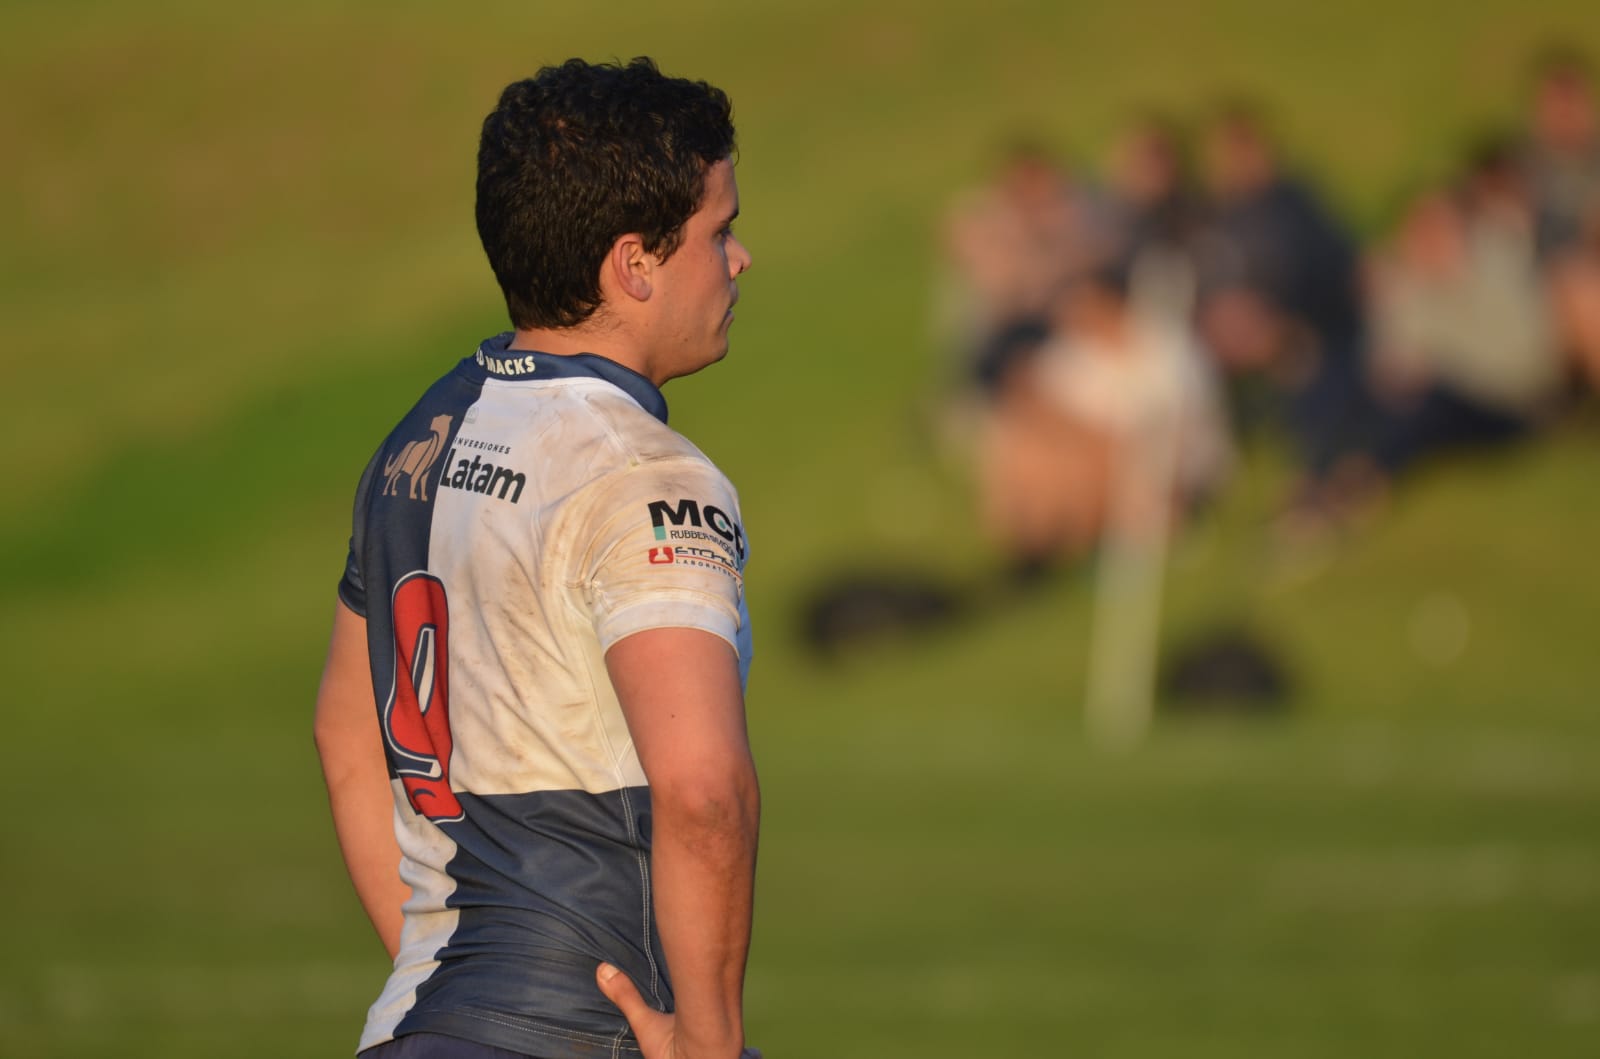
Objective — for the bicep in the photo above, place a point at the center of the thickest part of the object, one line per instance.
(682, 697)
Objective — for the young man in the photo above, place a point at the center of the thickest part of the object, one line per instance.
(532, 722)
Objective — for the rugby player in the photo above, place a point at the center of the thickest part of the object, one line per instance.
(531, 721)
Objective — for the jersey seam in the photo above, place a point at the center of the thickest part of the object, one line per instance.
(646, 899)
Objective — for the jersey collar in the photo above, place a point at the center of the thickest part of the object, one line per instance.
(497, 360)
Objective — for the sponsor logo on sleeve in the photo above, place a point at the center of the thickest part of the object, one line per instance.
(688, 555)
(687, 521)
(699, 535)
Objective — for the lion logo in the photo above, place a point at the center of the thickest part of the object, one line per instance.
(416, 459)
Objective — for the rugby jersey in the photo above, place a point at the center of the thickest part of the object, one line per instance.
(530, 511)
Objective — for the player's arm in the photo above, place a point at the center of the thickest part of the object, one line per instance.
(354, 768)
(682, 696)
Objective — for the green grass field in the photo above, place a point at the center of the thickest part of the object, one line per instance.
(236, 245)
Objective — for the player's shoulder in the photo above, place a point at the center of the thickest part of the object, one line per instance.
(643, 455)
(639, 437)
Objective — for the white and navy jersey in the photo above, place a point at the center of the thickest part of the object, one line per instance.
(528, 513)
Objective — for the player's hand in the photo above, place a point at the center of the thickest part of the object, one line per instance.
(655, 1030)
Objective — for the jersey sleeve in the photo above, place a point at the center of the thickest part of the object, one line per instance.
(668, 551)
(353, 585)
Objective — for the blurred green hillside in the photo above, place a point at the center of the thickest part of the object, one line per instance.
(238, 242)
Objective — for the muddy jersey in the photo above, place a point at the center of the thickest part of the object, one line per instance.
(529, 512)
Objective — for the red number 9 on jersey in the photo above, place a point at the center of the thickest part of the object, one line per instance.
(416, 720)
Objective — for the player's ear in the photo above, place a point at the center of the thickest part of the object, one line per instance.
(630, 267)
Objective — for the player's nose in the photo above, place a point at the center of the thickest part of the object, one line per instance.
(738, 257)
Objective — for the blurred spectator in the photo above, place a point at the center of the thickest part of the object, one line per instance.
(1155, 212)
(1463, 352)
(1561, 155)
(1561, 162)
(1010, 246)
(1043, 476)
(1279, 292)
(1117, 413)
(1575, 297)
(1152, 196)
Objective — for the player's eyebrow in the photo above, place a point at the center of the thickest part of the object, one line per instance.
(731, 217)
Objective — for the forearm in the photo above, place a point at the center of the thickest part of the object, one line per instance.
(357, 776)
(703, 879)
(363, 818)
(681, 693)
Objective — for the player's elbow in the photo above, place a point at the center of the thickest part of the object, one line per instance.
(325, 734)
(720, 804)
(340, 746)
(335, 766)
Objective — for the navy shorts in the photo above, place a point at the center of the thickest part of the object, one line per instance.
(437, 1046)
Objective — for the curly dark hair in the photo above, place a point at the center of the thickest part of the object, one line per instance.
(579, 155)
